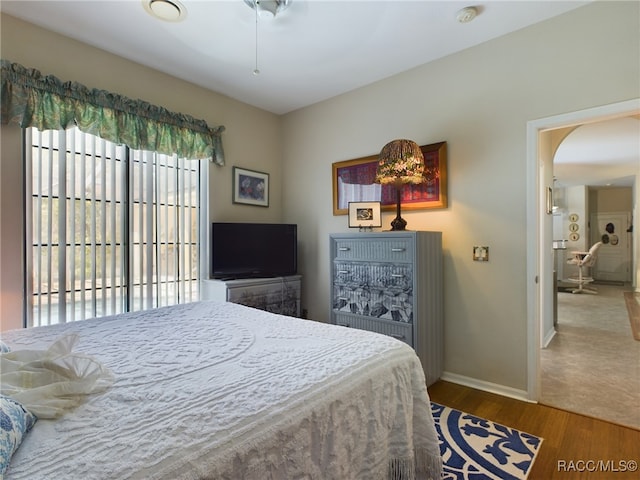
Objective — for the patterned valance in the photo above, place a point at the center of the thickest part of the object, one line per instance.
(34, 100)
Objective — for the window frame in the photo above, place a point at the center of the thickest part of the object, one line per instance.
(197, 245)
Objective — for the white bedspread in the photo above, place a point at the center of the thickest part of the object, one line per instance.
(221, 391)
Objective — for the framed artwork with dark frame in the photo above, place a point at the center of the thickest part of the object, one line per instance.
(364, 215)
(353, 182)
(250, 187)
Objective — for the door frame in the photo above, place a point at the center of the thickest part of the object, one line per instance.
(539, 223)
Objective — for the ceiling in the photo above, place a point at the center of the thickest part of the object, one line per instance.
(317, 49)
(600, 154)
(311, 51)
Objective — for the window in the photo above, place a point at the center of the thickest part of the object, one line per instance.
(109, 229)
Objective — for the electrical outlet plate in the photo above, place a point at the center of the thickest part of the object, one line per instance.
(481, 254)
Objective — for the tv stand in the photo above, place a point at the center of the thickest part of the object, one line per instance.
(273, 294)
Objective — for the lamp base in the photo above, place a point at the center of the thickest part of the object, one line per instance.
(398, 224)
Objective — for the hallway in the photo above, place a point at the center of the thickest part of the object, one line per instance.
(592, 365)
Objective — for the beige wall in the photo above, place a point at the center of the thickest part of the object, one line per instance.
(11, 252)
(479, 101)
(611, 199)
(252, 138)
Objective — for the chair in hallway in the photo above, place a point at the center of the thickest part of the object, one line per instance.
(584, 260)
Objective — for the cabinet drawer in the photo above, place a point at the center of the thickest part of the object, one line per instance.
(401, 331)
(380, 290)
(375, 275)
(383, 250)
(276, 297)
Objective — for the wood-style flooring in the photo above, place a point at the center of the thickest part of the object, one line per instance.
(574, 446)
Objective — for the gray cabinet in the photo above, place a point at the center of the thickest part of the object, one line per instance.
(276, 295)
(391, 283)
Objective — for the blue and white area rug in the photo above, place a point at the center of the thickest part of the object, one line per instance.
(473, 448)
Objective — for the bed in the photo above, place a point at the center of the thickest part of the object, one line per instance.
(215, 390)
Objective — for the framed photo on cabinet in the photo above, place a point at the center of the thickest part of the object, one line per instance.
(364, 215)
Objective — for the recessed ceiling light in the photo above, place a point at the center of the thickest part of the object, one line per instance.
(167, 10)
(466, 14)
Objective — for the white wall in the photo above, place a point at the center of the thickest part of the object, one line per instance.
(479, 101)
(252, 138)
(578, 203)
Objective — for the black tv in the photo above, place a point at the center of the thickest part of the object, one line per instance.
(253, 250)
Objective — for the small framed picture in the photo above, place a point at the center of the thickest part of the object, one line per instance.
(364, 215)
(250, 187)
(481, 254)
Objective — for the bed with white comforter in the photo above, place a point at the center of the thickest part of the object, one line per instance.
(211, 390)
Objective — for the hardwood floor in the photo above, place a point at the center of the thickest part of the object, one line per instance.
(574, 446)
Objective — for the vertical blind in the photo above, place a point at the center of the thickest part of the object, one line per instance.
(109, 229)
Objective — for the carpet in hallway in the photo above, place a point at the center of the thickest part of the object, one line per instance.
(592, 365)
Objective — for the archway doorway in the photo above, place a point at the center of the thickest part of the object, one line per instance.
(540, 259)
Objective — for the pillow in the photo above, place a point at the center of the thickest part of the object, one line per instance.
(15, 422)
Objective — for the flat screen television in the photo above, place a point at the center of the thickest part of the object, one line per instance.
(253, 250)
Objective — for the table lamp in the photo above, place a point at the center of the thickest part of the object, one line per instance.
(401, 162)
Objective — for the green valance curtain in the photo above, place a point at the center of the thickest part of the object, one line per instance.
(34, 100)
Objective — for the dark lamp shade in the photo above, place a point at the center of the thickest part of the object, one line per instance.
(401, 161)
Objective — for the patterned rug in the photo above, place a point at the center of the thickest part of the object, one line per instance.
(473, 448)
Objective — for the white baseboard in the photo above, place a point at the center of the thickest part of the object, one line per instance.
(548, 337)
(486, 386)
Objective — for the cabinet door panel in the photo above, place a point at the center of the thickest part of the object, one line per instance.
(275, 298)
(378, 290)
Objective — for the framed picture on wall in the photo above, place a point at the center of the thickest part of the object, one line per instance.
(353, 182)
(250, 187)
